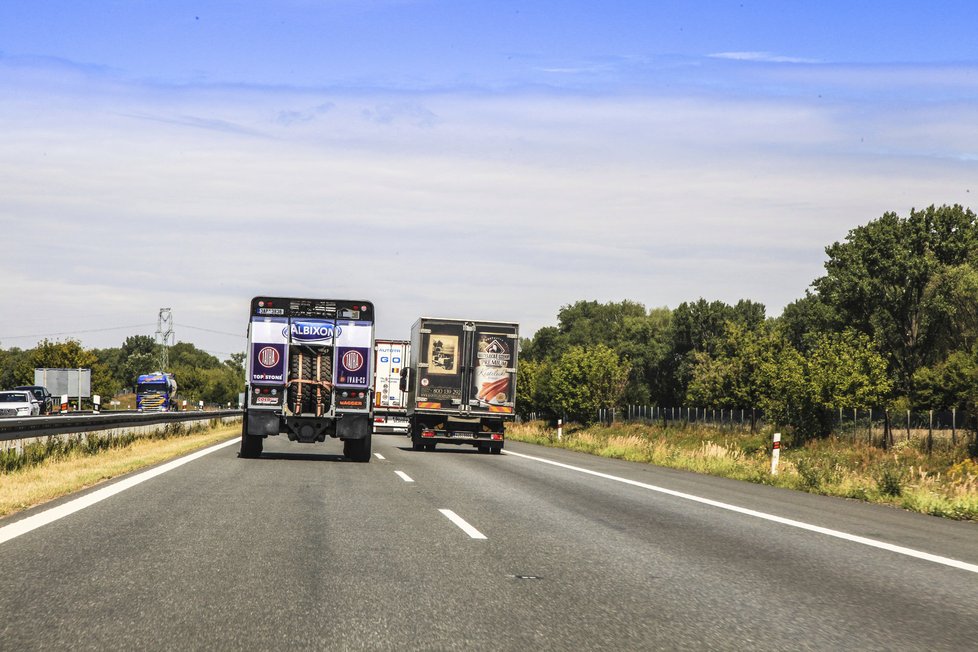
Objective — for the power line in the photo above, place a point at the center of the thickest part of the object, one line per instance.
(92, 330)
(210, 330)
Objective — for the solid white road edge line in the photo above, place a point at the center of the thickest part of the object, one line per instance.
(24, 526)
(461, 523)
(404, 476)
(909, 552)
(379, 456)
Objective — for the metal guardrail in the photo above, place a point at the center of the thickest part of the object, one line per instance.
(30, 427)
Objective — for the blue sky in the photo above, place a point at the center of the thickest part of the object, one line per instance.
(485, 159)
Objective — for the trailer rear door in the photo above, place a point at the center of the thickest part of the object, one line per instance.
(441, 374)
(492, 384)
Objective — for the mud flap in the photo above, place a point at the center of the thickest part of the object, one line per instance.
(354, 426)
(262, 423)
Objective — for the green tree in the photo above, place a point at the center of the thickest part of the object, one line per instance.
(15, 368)
(846, 371)
(585, 380)
(951, 383)
(732, 376)
(139, 354)
(531, 384)
(698, 328)
(889, 281)
(805, 319)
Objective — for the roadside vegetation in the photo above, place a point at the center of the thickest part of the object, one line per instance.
(54, 467)
(200, 375)
(943, 482)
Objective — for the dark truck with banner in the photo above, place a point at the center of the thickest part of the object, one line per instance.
(461, 382)
(308, 373)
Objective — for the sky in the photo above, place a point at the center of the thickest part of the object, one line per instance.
(476, 159)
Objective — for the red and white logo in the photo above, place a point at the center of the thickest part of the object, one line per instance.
(268, 357)
(352, 360)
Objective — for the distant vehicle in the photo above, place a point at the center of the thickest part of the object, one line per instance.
(461, 382)
(156, 392)
(18, 403)
(390, 409)
(44, 399)
(309, 373)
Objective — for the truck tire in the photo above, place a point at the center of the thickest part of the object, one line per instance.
(357, 450)
(496, 449)
(417, 444)
(251, 445)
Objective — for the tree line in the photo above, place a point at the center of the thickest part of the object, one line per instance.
(892, 324)
(200, 375)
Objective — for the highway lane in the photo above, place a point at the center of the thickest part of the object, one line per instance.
(301, 549)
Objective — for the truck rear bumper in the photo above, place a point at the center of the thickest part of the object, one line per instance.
(473, 439)
(308, 429)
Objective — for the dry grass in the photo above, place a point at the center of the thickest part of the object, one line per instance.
(943, 483)
(59, 477)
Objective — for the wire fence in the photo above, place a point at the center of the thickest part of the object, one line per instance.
(858, 425)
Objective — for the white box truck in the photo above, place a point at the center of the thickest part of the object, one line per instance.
(390, 409)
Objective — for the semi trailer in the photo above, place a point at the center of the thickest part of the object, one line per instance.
(390, 410)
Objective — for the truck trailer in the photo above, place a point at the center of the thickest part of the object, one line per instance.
(461, 382)
(390, 409)
(309, 373)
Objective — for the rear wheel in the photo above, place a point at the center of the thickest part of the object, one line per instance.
(496, 449)
(357, 450)
(250, 445)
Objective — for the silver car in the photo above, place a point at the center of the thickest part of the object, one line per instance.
(18, 403)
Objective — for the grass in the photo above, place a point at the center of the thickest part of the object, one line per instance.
(942, 483)
(76, 464)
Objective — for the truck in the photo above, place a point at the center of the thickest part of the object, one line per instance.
(461, 382)
(308, 373)
(390, 411)
(156, 392)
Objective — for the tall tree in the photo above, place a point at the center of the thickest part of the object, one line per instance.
(885, 281)
(585, 380)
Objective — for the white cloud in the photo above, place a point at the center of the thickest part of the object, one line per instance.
(128, 197)
(766, 57)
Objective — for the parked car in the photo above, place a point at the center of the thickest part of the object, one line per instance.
(18, 403)
(42, 396)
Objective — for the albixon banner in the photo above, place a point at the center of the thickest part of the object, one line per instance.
(268, 356)
(352, 362)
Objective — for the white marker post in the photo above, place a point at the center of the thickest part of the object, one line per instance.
(96, 403)
(560, 429)
(776, 453)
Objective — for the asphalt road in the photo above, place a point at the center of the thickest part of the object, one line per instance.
(303, 550)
